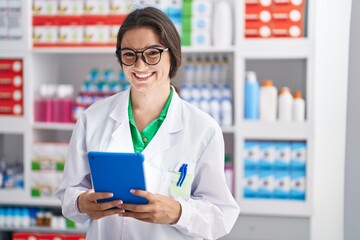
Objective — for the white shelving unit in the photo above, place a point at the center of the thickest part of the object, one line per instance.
(44, 65)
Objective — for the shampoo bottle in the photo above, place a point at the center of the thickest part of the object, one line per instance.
(298, 107)
(285, 101)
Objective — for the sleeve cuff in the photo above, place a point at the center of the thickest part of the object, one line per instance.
(186, 214)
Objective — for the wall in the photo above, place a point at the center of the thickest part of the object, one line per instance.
(352, 164)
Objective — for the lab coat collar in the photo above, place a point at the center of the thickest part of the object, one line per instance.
(162, 139)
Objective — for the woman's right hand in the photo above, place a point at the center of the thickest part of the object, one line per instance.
(86, 203)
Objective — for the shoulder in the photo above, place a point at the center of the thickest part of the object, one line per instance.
(106, 105)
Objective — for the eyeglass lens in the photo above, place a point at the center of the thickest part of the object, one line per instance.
(150, 56)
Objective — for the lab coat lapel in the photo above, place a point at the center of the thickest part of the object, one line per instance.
(121, 137)
(172, 124)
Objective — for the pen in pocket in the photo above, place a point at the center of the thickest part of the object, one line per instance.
(183, 171)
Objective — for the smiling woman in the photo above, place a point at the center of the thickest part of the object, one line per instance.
(182, 147)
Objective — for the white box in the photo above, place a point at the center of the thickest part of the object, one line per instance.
(251, 155)
(250, 184)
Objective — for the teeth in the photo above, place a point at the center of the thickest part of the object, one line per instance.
(139, 75)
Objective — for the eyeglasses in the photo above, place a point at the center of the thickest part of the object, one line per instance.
(150, 56)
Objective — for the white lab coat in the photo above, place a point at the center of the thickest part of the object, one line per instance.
(187, 135)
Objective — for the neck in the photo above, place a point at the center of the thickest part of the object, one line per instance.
(150, 102)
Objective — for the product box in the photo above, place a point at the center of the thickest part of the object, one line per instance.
(171, 8)
(71, 31)
(11, 87)
(282, 184)
(114, 22)
(298, 156)
(97, 31)
(200, 38)
(201, 23)
(258, 30)
(45, 7)
(251, 155)
(283, 156)
(250, 183)
(298, 187)
(71, 7)
(266, 184)
(14, 28)
(97, 7)
(201, 7)
(267, 156)
(120, 7)
(258, 3)
(45, 31)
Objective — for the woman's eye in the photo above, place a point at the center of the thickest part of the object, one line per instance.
(128, 54)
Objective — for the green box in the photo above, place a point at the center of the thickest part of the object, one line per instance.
(186, 39)
(187, 8)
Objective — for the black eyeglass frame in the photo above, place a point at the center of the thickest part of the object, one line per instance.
(161, 50)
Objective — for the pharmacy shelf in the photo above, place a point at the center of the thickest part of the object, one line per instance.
(275, 130)
(21, 197)
(54, 126)
(272, 207)
(276, 48)
(43, 230)
(13, 196)
(12, 125)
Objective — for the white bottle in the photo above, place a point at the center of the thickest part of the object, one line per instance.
(268, 101)
(204, 105)
(222, 24)
(185, 92)
(226, 111)
(215, 109)
(285, 101)
(298, 107)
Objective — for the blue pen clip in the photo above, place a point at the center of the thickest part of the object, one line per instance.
(183, 171)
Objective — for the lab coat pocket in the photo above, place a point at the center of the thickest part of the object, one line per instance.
(183, 190)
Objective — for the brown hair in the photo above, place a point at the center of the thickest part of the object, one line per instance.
(162, 25)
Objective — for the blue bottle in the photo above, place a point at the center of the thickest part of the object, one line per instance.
(251, 101)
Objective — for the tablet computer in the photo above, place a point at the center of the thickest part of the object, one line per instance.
(118, 173)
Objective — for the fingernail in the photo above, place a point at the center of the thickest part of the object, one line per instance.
(110, 194)
(132, 190)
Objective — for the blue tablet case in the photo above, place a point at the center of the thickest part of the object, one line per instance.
(118, 173)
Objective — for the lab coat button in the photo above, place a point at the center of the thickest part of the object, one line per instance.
(144, 139)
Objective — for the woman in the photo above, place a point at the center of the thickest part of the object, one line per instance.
(150, 118)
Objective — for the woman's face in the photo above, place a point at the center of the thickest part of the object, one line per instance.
(144, 77)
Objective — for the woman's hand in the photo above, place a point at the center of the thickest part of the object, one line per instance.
(160, 209)
(86, 203)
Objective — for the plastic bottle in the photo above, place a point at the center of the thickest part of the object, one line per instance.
(298, 107)
(185, 92)
(268, 101)
(226, 112)
(215, 109)
(251, 101)
(222, 33)
(204, 104)
(285, 101)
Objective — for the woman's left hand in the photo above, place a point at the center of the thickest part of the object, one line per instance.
(159, 209)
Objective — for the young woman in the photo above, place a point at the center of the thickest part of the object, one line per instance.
(150, 118)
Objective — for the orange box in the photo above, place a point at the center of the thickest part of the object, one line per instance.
(289, 3)
(284, 29)
(258, 3)
(257, 29)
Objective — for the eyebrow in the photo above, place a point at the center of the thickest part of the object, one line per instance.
(151, 46)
